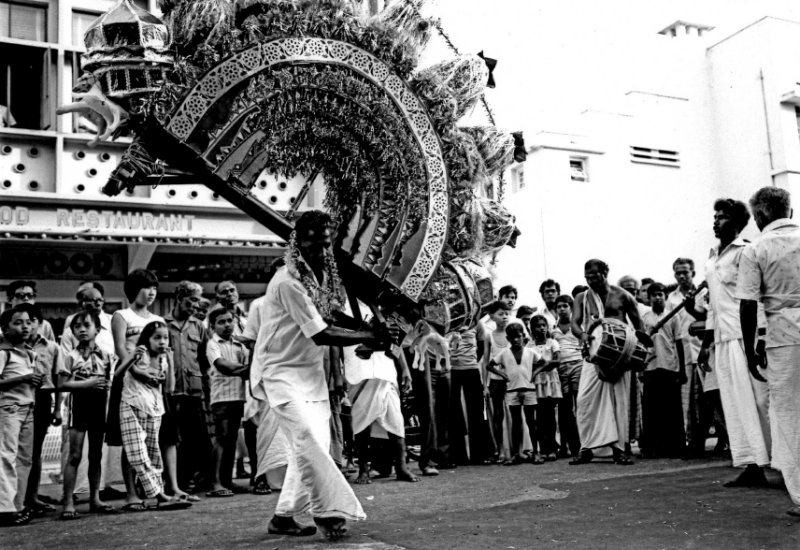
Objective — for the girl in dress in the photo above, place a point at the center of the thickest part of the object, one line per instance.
(548, 388)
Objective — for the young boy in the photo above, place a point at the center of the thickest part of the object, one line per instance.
(569, 371)
(517, 366)
(228, 361)
(86, 374)
(18, 383)
(662, 412)
(49, 360)
(495, 342)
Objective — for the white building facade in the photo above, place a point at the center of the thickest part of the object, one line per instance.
(634, 184)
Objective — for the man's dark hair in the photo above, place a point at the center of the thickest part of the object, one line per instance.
(565, 299)
(549, 283)
(647, 281)
(683, 261)
(81, 316)
(522, 311)
(772, 201)
(312, 220)
(496, 306)
(656, 287)
(506, 290)
(136, 281)
(577, 289)
(514, 329)
(14, 286)
(214, 314)
(737, 211)
(601, 266)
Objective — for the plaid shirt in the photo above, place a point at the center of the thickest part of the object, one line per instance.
(224, 387)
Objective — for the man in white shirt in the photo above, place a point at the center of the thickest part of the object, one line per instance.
(288, 371)
(745, 399)
(769, 271)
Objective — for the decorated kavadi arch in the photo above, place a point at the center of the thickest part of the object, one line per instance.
(222, 91)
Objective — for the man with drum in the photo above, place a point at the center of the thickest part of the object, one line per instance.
(602, 413)
(745, 399)
(769, 271)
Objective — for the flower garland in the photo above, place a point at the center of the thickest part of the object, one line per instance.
(327, 298)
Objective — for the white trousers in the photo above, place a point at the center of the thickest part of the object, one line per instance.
(784, 399)
(603, 408)
(272, 448)
(745, 402)
(313, 482)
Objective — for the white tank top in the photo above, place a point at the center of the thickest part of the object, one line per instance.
(135, 324)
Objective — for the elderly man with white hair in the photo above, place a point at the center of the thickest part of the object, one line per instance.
(769, 272)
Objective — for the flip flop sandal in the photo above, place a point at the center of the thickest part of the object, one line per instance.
(189, 498)
(220, 493)
(104, 509)
(290, 528)
(238, 489)
(623, 460)
(173, 505)
(135, 507)
(262, 488)
(41, 508)
(69, 515)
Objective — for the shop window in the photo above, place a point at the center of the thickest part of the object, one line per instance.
(25, 86)
(81, 20)
(579, 169)
(23, 20)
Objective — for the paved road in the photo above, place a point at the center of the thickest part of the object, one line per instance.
(651, 505)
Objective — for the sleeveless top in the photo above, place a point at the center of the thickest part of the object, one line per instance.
(498, 344)
(135, 324)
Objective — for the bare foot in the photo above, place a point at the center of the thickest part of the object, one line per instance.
(405, 475)
(363, 477)
(333, 528)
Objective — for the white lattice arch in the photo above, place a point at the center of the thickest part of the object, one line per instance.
(251, 61)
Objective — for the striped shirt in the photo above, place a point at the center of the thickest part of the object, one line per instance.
(224, 387)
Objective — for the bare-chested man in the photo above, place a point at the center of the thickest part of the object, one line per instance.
(602, 406)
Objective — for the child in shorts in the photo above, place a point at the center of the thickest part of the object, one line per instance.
(517, 366)
(86, 374)
(229, 365)
(46, 409)
(18, 383)
(495, 342)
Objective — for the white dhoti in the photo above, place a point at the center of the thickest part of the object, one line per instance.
(745, 402)
(784, 400)
(313, 481)
(376, 404)
(272, 447)
(602, 414)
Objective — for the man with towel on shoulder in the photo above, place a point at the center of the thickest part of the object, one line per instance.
(602, 414)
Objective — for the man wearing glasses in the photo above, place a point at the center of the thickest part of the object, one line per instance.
(90, 298)
(24, 292)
